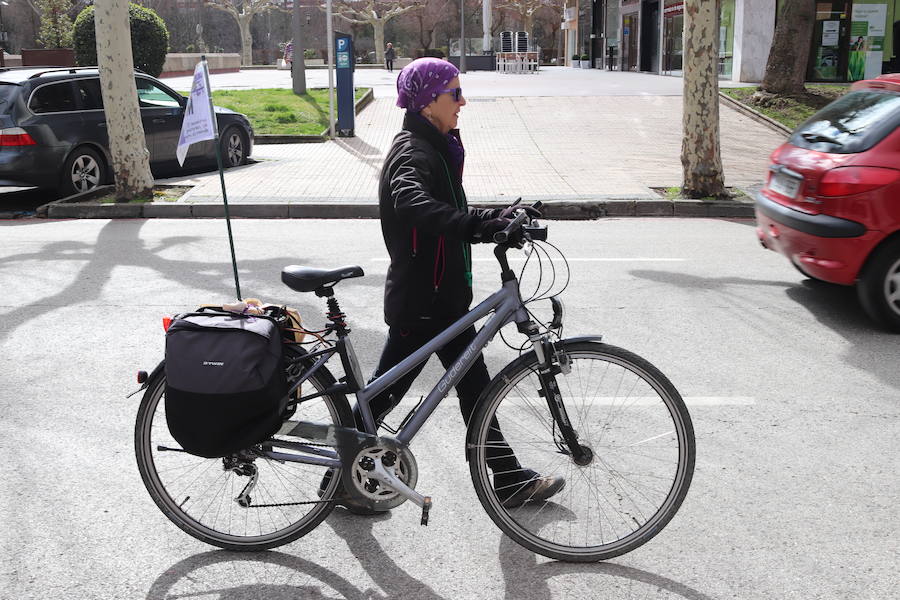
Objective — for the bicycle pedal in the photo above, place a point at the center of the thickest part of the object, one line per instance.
(426, 508)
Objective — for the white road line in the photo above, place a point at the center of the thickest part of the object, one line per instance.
(522, 259)
(635, 401)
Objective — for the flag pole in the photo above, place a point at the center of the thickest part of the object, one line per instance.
(237, 284)
(330, 33)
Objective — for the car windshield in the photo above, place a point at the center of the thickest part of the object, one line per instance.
(853, 123)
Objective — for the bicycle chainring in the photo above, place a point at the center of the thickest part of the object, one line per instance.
(375, 494)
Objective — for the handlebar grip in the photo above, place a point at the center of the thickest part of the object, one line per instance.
(502, 236)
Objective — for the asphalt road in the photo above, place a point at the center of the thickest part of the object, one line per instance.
(16, 203)
(793, 395)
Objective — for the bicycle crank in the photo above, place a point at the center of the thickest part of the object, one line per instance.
(384, 475)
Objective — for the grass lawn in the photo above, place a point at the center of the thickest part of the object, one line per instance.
(280, 111)
(791, 111)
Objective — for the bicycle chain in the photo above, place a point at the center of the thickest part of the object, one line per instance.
(287, 504)
(280, 504)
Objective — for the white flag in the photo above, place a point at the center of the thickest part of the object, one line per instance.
(198, 124)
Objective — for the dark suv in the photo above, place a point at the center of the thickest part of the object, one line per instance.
(53, 129)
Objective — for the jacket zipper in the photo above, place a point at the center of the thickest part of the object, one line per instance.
(415, 243)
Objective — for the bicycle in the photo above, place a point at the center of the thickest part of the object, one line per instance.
(606, 419)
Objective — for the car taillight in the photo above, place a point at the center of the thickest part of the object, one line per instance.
(16, 137)
(847, 181)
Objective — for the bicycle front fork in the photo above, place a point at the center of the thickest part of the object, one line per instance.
(553, 362)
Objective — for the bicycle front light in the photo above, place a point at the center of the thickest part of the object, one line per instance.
(557, 304)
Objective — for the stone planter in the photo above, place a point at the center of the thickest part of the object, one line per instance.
(48, 57)
(585, 64)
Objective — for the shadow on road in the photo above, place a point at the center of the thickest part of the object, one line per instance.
(119, 245)
(834, 306)
(276, 575)
(526, 576)
(394, 581)
(263, 575)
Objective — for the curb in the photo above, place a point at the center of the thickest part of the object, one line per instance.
(271, 138)
(756, 116)
(560, 210)
(44, 210)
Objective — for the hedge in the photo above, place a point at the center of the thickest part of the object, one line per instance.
(149, 39)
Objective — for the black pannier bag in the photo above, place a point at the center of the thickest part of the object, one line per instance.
(226, 388)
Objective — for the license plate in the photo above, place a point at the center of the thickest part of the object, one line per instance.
(785, 185)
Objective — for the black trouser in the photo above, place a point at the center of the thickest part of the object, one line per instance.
(403, 342)
(389, 63)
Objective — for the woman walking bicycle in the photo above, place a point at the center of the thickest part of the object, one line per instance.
(428, 228)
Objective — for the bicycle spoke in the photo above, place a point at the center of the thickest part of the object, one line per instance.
(621, 496)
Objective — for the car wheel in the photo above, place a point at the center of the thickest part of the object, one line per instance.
(83, 171)
(234, 147)
(879, 285)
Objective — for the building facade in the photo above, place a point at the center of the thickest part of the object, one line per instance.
(852, 39)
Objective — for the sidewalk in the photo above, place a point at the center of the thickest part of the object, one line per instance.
(605, 150)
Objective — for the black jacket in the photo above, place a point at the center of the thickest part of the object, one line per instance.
(427, 228)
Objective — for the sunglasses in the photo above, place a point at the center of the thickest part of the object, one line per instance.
(457, 93)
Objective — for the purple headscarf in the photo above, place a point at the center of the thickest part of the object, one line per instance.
(422, 80)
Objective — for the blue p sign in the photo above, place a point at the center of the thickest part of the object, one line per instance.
(342, 44)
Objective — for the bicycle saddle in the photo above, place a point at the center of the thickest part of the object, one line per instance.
(307, 279)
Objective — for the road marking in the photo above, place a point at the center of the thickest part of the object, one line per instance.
(693, 401)
(522, 259)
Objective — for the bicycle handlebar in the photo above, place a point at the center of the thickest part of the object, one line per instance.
(501, 237)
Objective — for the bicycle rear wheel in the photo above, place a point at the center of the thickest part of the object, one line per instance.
(200, 494)
(638, 430)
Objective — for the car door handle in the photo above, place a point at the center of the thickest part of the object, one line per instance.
(159, 120)
(101, 124)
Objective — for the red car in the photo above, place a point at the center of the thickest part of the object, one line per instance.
(832, 200)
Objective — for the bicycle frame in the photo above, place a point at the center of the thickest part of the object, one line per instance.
(505, 303)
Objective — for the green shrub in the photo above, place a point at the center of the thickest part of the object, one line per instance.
(286, 118)
(275, 108)
(149, 39)
(309, 54)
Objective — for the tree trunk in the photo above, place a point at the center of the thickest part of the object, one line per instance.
(244, 21)
(789, 56)
(127, 144)
(700, 153)
(298, 65)
(378, 26)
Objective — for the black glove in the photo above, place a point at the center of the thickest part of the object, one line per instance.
(487, 229)
(510, 211)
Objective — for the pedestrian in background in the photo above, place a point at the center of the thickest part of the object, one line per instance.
(289, 55)
(389, 55)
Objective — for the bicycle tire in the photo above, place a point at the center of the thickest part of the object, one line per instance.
(628, 494)
(193, 491)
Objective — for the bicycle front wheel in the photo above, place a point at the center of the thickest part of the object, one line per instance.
(203, 496)
(641, 442)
